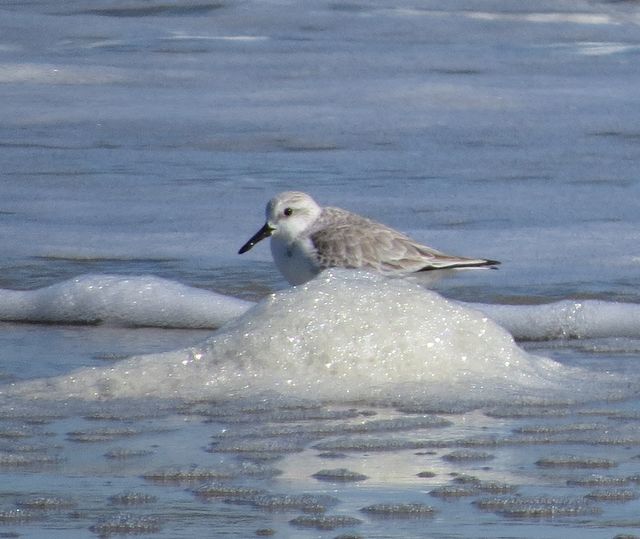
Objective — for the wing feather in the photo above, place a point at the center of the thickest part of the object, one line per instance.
(344, 239)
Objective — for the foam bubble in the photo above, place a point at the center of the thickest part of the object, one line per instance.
(59, 74)
(121, 300)
(126, 524)
(134, 301)
(344, 336)
(324, 523)
(567, 319)
(394, 510)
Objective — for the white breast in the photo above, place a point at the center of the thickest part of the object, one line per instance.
(294, 260)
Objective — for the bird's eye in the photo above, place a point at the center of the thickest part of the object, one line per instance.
(287, 212)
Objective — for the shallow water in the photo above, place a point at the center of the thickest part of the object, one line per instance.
(139, 144)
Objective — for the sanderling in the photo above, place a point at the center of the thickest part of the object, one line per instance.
(306, 239)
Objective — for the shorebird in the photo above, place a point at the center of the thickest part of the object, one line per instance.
(307, 238)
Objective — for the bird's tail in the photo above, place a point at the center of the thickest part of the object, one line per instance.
(446, 262)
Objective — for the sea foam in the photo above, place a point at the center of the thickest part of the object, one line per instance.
(132, 301)
(567, 319)
(149, 301)
(344, 336)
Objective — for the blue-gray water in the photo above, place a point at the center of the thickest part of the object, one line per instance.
(143, 138)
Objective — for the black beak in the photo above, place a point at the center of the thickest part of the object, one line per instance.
(263, 233)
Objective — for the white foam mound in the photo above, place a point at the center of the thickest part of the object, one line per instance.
(135, 301)
(121, 300)
(343, 336)
(568, 319)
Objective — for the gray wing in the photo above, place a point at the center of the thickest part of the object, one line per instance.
(343, 239)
